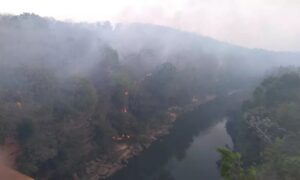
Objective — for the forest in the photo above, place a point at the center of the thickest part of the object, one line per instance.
(266, 130)
(71, 92)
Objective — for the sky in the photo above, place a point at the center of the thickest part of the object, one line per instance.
(267, 24)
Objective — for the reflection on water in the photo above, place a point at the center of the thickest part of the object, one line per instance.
(200, 159)
(188, 153)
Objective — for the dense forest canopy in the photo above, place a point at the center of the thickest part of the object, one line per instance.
(67, 88)
(266, 130)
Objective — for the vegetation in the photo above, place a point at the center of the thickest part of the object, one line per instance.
(231, 166)
(266, 131)
(64, 96)
(69, 90)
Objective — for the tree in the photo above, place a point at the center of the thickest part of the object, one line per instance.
(231, 166)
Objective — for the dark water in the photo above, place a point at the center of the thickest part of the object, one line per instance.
(187, 153)
(201, 156)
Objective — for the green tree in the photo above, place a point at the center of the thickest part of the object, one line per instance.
(231, 166)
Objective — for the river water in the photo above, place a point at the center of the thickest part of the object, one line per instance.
(201, 156)
(187, 153)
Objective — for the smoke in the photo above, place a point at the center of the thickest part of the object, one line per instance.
(256, 24)
(268, 24)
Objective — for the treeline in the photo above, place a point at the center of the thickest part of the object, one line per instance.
(60, 122)
(68, 90)
(266, 130)
(65, 93)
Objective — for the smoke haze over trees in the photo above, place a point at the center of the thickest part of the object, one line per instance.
(67, 88)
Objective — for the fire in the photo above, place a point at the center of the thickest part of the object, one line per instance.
(122, 137)
(124, 110)
(126, 93)
(19, 105)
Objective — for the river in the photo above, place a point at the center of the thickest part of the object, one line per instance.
(187, 153)
(201, 157)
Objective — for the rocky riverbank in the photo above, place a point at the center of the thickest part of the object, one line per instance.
(104, 167)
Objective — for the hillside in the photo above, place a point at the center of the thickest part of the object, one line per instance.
(70, 93)
(266, 132)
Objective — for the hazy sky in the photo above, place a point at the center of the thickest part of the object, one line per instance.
(269, 24)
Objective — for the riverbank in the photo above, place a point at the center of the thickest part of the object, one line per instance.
(105, 167)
